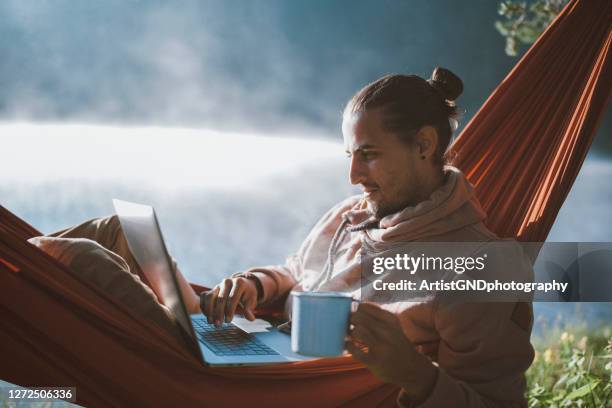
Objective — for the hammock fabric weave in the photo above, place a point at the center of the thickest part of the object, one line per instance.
(522, 150)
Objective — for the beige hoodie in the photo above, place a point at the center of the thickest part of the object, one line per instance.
(482, 349)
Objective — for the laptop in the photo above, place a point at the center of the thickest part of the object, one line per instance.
(238, 343)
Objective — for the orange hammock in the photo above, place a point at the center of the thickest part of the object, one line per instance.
(522, 150)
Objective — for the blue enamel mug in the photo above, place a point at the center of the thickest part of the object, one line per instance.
(320, 322)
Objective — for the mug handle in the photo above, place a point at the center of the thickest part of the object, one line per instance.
(286, 327)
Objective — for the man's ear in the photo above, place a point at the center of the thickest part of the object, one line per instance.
(426, 141)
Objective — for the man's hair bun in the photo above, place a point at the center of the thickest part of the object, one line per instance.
(410, 102)
(447, 83)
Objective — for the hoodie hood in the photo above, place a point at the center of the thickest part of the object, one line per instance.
(451, 207)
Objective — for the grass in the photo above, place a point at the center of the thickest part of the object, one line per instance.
(572, 368)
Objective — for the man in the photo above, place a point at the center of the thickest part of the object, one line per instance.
(396, 131)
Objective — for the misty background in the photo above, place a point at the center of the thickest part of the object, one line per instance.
(226, 115)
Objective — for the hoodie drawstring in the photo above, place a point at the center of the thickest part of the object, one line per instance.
(335, 242)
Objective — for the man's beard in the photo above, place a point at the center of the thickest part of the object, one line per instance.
(382, 209)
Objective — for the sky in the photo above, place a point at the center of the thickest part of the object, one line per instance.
(263, 66)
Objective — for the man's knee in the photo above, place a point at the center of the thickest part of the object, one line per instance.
(108, 224)
(95, 229)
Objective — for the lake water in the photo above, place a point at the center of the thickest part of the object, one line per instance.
(226, 201)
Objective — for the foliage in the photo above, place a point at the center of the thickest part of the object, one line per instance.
(573, 371)
(524, 23)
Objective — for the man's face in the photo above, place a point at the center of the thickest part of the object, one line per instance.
(388, 170)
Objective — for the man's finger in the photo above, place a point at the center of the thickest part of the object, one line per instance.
(382, 332)
(203, 302)
(224, 290)
(249, 304)
(364, 335)
(210, 303)
(233, 300)
(384, 326)
(357, 352)
(377, 326)
(377, 312)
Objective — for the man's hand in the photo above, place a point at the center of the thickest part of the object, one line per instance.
(378, 341)
(219, 304)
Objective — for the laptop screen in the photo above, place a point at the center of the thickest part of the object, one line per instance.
(144, 237)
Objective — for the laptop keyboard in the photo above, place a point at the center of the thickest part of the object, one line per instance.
(230, 340)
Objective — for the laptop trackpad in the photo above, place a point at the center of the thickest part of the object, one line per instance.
(256, 326)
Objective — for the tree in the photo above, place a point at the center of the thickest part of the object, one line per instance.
(524, 23)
